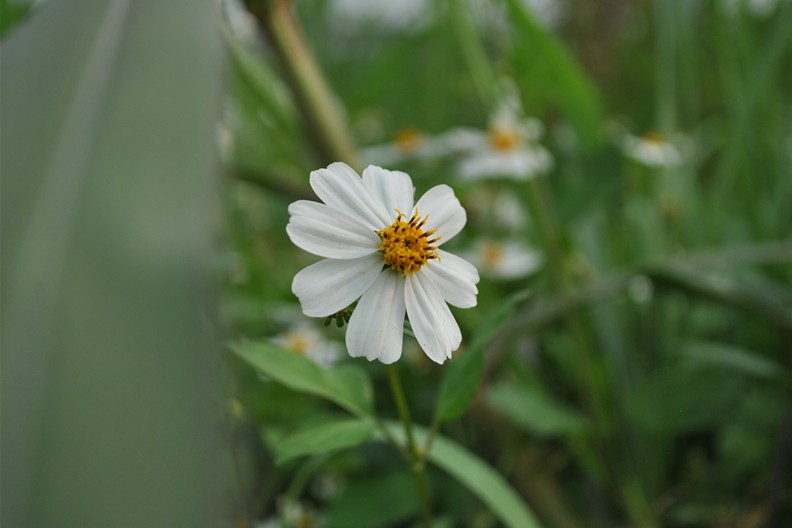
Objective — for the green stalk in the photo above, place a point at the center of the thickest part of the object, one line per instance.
(473, 52)
(418, 457)
(320, 109)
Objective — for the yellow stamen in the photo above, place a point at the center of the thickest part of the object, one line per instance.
(492, 253)
(405, 246)
(296, 342)
(653, 137)
(504, 138)
(407, 140)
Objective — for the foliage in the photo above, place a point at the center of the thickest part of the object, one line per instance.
(642, 376)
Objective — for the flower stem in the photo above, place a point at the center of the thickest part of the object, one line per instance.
(319, 107)
(418, 458)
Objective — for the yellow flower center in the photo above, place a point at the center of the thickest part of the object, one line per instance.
(407, 140)
(492, 253)
(406, 246)
(296, 342)
(504, 138)
(653, 137)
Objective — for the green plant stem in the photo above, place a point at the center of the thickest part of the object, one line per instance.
(473, 52)
(418, 457)
(545, 216)
(319, 107)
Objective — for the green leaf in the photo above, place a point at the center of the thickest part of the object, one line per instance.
(347, 386)
(476, 475)
(319, 439)
(459, 384)
(733, 358)
(544, 69)
(109, 189)
(462, 376)
(535, 411)
(374, 502)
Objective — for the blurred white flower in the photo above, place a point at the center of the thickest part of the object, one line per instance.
(408, 144)
(756, 8)
(404, 15)
(291, 514)
(504, 260)
(307, 340)
(651, 150)
(498, 208)
(509, 148)
(380, 246)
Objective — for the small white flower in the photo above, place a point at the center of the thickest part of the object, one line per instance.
(383, 248)
(307, 340)
(756, 8)
(508, 148)
(407, 144)
(651, 150)
(504, 260)
(498, 208)
(401, 16)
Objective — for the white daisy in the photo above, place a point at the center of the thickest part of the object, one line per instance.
(651, 150)
(305, 339)
(383, 248)
(407, 144)
(504, 260)
(508, 148)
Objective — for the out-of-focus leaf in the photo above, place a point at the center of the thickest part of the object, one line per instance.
(681, 398)
(535, 411)
(461, 379)
(109, 208)
(544, 69)
(264, 84)
(459, 384)
(723, 289)
(375, 502)
(319, 439)
(346, 386)
(478, 477)
(731, 357)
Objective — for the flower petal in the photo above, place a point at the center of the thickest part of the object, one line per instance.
(331, 285)
(432, 322)
(455, 279)
(445, 212)
(323, 231)
(340, 187)
(376, 328)
(394, 189)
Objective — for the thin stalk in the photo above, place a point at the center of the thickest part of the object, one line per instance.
(418, 457)
(473, 52)
(542, 204)
(319, 107)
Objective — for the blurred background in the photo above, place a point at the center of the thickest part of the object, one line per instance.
(626, 170)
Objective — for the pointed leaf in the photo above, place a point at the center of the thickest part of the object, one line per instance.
(347, 386)
(319, 439)
(477, 476)
(534, 411)
(461, 379)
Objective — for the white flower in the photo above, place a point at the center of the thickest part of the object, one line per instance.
(407, 144)
(401, 16)
(498, 208)
(504, 260)
(756, 8)
(383, 248)
(651, 150)
(509, 148)
(307, 340)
